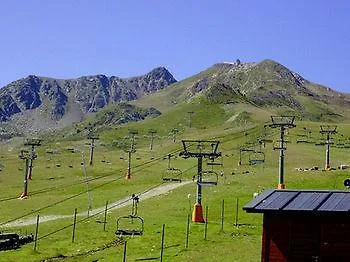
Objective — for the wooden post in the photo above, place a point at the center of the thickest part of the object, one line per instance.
(236, 219)
(222, 215)
(162, 245)
(105, 219)
(124, 255)
(74, 223)
(36, 232)
(206, 223)
(187, 230)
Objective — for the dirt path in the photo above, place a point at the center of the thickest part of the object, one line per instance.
(162, 189)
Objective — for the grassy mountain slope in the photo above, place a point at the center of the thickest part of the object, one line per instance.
(235, 119)
(107, 182)
(267, 86)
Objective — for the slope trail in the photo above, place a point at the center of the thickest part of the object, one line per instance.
(159, 190)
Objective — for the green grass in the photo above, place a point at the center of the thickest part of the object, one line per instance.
(164, 100)
(59, 190)
(242, 243)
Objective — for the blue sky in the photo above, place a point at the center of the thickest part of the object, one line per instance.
(68, 39)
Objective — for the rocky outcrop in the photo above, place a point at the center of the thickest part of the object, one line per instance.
(53, 100)
(123, 113)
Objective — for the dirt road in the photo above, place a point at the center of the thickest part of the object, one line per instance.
(162, 189)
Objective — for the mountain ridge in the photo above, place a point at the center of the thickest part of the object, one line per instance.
(62, 102)
(267, 86)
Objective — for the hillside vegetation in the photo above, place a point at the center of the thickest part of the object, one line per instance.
(230, 103)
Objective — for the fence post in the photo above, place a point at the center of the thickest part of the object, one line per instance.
(222, 215)
(206, 223)
(187, 230)
(124, 253)
(74, 223)
(105, 219)
(36, 232)
(162, 246)
(236, 219)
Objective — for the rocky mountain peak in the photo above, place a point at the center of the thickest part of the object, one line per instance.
(266, 84)
(280, 71)
(58, 101)
(162, 72)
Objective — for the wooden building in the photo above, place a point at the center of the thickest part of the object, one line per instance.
(304, 225)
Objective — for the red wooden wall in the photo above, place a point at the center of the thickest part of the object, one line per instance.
(305, 237)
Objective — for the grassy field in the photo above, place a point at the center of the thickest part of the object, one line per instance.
(58, 188)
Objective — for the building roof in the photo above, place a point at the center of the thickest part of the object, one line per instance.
(308, 201)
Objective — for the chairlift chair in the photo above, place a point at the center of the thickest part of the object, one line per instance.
(205, 178)
(257, 158)
(131, 225)
(172, 174)
(340, 144)
(214, 181)
(217, 164)
(302, 139)
(241, 151)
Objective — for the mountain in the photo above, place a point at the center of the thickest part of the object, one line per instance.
(266, 86)
(39, 103)
(225, 95)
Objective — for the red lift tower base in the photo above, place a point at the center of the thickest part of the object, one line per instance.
(197, 215)
(281, 186)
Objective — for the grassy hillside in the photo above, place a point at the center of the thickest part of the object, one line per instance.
(59, 190)
(59, 186)
(174, 94)
(267, 85)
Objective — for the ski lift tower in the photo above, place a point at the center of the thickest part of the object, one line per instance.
(132, 134)
(174, 131)
(282, 122)
(24, 154)
(200, 149)
(93, 136)
(328, 131)
(32, 142)
(152, 133)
